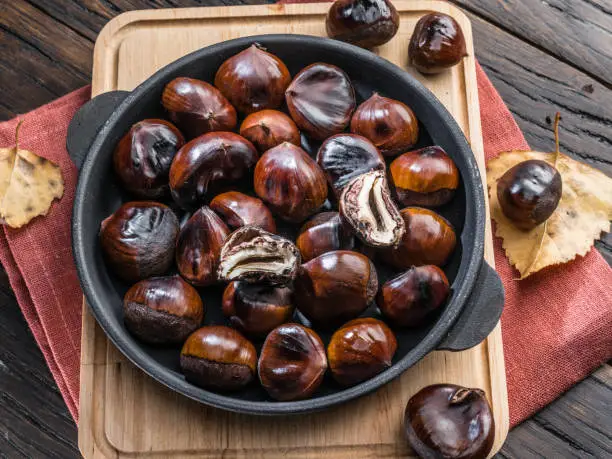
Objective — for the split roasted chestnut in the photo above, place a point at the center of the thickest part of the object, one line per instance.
(321, 100)
(292, 362)
(143, 157)
(197, 107)
(335, 287)
(238, 210)
(162, 310)
(290, 182)
(208, 163)
(198, 247)
(268, 128)
(409, 299)
(138, 240)
(359, 350)
(218, 358)
(324, 233)
(445, 420)
(253, 80)
(426, 177)
(256, 309)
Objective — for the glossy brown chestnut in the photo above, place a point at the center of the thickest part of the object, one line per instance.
(143, 156)
(138, 240)
(529, 193)
(268, 128)
(437, 43)
(253, 80)
(290, 182)
(238, 209)
(324, 233)
(197, 107)
(292, 362)
(198, 247)
(208, 163)
(365, 23)
(321, 100)
(257, 309)
(409, 299)
(335, 287)
(449, 421)
(162, 310)
(218, 358)
(429, 240)
(359, 350)
(426, 177)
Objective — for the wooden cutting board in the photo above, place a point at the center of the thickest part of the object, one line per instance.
(124, 413)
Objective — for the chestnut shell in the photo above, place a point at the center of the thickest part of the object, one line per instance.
(268, 128)
(238, 209)
(325, 232)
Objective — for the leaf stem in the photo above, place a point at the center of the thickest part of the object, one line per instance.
(17, 134)
(556, 130)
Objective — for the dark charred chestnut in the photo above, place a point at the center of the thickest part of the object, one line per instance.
(218, 358)
(290, 182)
(365, 23)
(207, 163)
(445, 420)
(253, 80)
(238, 210)
(321, 100)
(198, 247)
(292, 362)
(335, 287)
(437, 43)
(138, 240)
(324, 233)
(162, 310)
(268, 128)
(197, 107)
(256, 309)
(426, 177)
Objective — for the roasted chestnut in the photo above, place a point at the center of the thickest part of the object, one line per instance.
(208, 163)
(429, 240)
(292, 362)
(162, 310)
(268, 128)
(445, 420)
(197, 107)
(238, 210)
(426, 177)
(198, 247)
(253, 255)
(409, 299)
(529, 193)
(253, 80)
(290, 182)
(365, 23)
(138, 240)
(257, 309)
(335, 287)
(437, 43)
(366, 205)
(321, 100)
(324, 233)
(218, 358)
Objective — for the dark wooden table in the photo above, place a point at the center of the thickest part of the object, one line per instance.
(541, 56)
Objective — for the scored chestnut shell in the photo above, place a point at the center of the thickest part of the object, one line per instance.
(138, 240)
(198, 247)
(197, 107)
(445, 420)
(208, 163)
(324, 233)
(218, 358)
(292, 362)
(425, 177)
(162, 310)
(253, 80)
(238, 209)
(268, 128)
(290, 182)
(321, 100)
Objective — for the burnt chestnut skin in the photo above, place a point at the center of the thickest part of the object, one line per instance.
(162, 310)
(143, 157)
(292, 363)
(138, 240)
(218, 358)
(324, 233)
(445, 420)
(268, 128)
(238, 209)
